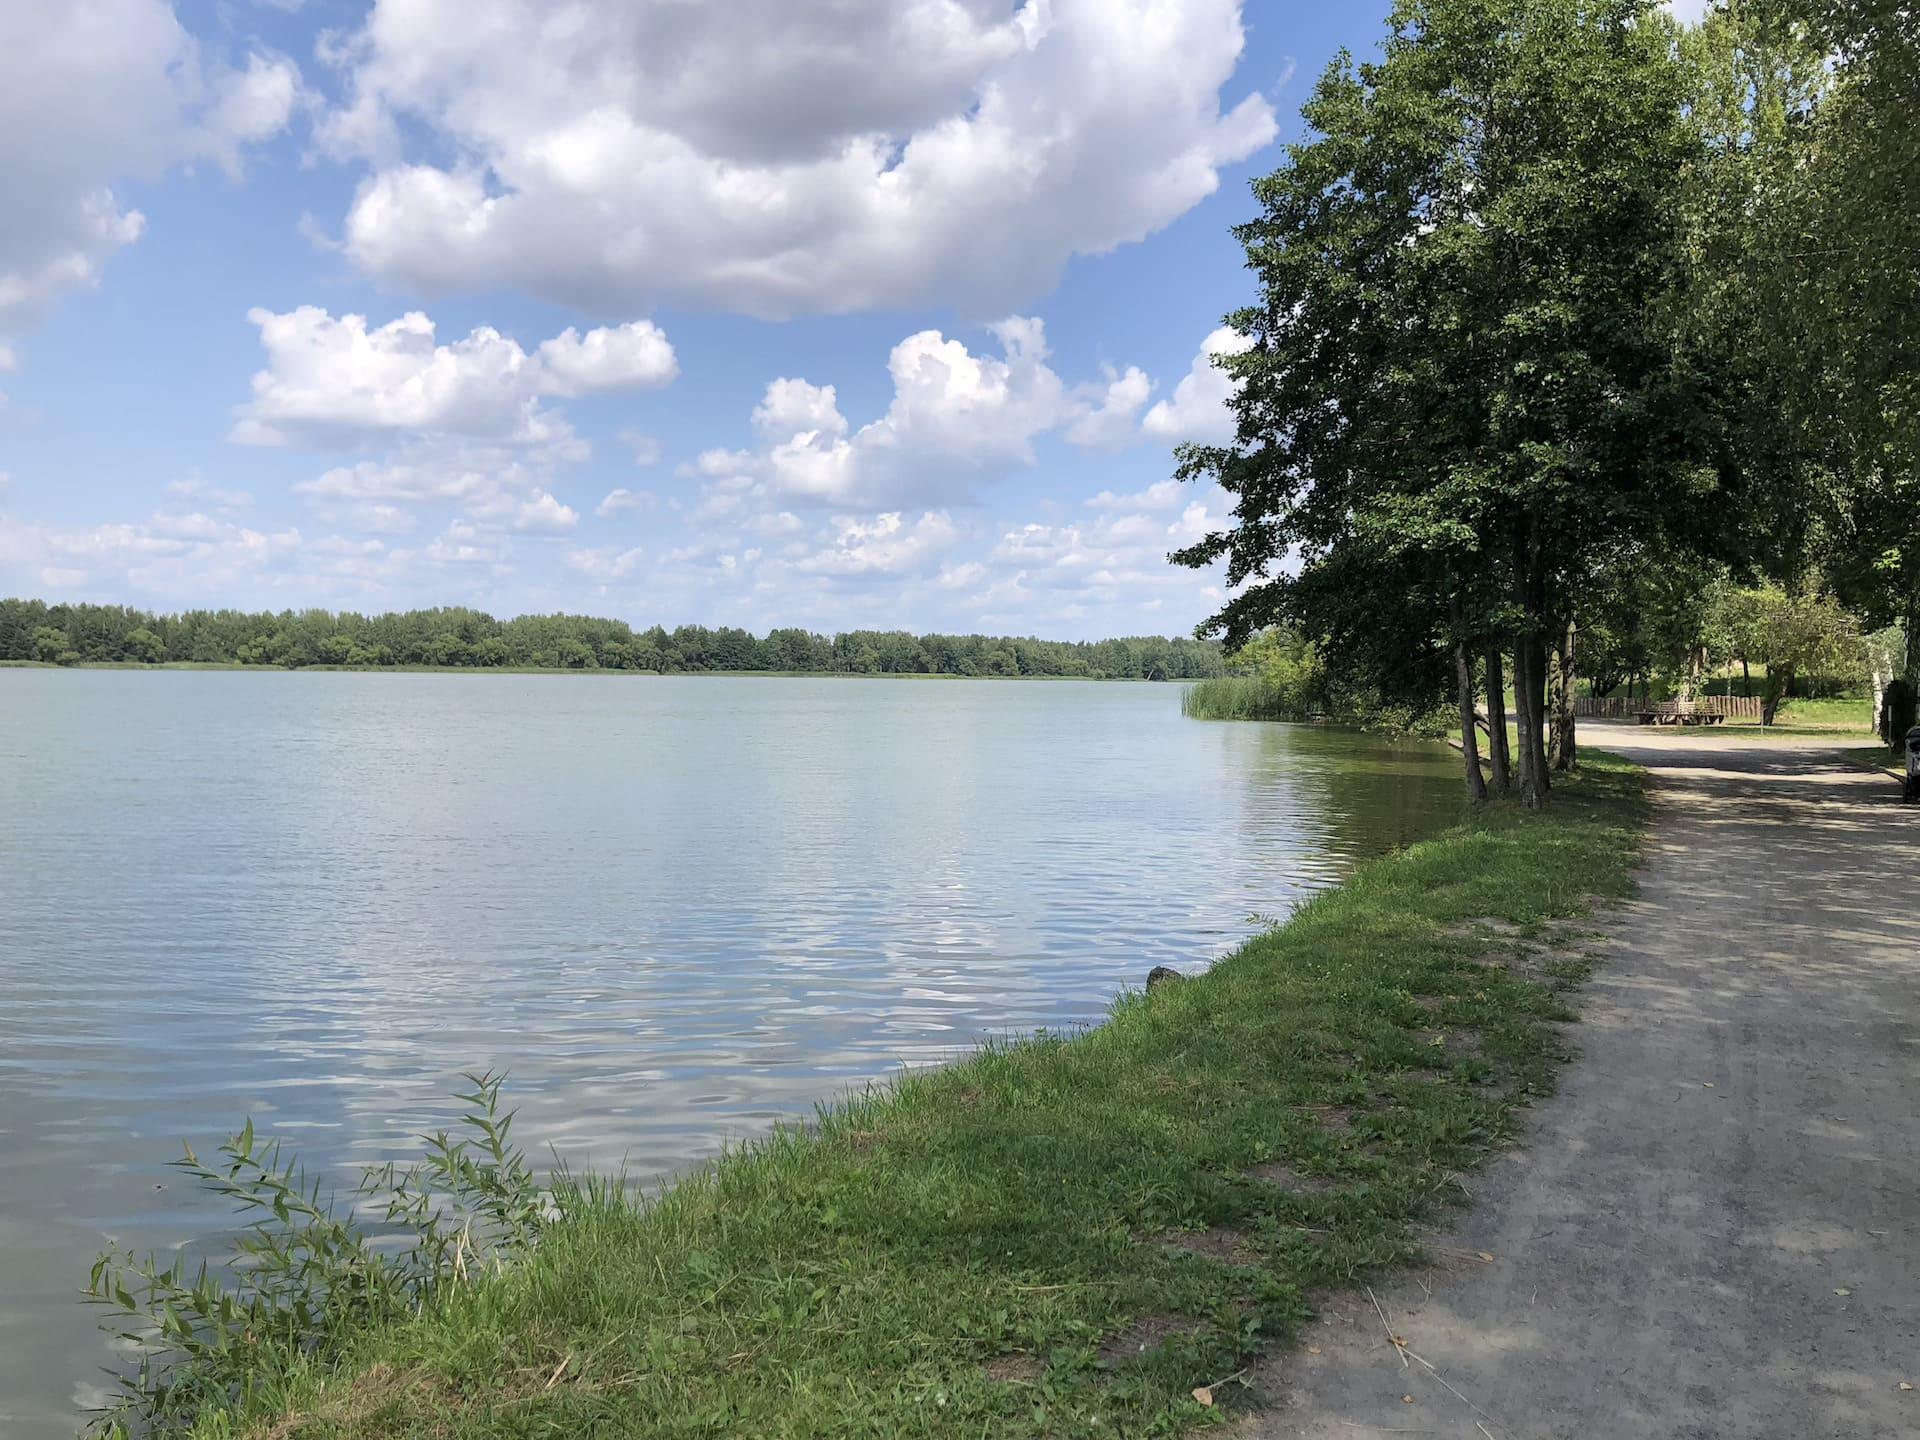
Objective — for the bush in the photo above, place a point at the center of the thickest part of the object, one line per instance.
(306, 1276)
(1898, 711)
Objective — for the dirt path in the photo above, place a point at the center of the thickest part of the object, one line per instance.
(1714, 1230)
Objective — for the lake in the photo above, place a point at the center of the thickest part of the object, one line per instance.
(676, 909)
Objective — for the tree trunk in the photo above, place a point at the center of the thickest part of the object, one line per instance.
(1746, 678)
(1521, 748)
(1497, 753)
(1565, 752)
(1469, 725)
(1531, 697)
(1779, 683)
(1530, 668)
(1528, 707)
(1550, 723)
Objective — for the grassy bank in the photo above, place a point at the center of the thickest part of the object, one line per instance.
(1063, 1236)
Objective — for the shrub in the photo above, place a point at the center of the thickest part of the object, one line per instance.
(306, 1274)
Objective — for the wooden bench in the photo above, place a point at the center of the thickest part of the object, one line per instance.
(1674, 713)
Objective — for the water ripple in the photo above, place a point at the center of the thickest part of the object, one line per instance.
(677, 910)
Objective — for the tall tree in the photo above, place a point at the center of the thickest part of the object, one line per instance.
(1462, 362)
(1838, 300)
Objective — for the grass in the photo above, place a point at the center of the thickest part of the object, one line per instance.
(1238, 697)
(1891, 761)
(1812, 715)
(1058, 1236)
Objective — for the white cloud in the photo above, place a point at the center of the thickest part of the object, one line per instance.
(1110, 414)
(1198, 407)
(956, 419)
(625, 357)
(467, 420)
(623, 499)
(646, 449)
(1112, 566)
(792, 407)
(462, 544)
(335, 382)
(1689, 12)
(176, 556)
(1161, 495)
(380, 519)
(606, 562)
(954, 416)
(754, 156)
(93, 92)
(492, 485)
(536, 513)
(885, 545)
(198, 490)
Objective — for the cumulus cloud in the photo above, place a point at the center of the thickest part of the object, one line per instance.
(180, 556)
(1109, 414)
(1161, 495)
(753, 156)
(954, 416)
(956, 420)
(490, 484)
(624, 357)
(336, 381)
(888, 545)
(1114, 564)
(622, 499)
(467, 422)
(1197, 409)
(93, 92)
(605, 563)
(535, 513)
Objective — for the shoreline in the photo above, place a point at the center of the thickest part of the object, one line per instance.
(237, 667)
(1053, 1235)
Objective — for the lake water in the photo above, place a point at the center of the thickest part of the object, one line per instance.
(675, 909)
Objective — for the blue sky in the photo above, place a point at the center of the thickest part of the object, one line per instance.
(536, 305)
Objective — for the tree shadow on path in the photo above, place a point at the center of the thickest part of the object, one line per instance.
(1711, 1230)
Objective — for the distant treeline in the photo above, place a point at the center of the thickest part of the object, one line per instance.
(83, 634)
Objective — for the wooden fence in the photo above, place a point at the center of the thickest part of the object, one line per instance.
(1620, 707)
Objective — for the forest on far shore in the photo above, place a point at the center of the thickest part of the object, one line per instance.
(33, 630)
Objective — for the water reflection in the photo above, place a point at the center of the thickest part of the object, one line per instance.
(676, 910)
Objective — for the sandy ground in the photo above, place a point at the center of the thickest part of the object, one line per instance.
(1714, 1227)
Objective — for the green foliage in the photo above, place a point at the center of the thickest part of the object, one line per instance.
(961, 1253)
(471, 639)
(1825, 303)
(1791, 633)
(306, 1276)
(1662, 614)
(1278, 675)
(1899, 711)
(1462, 400)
